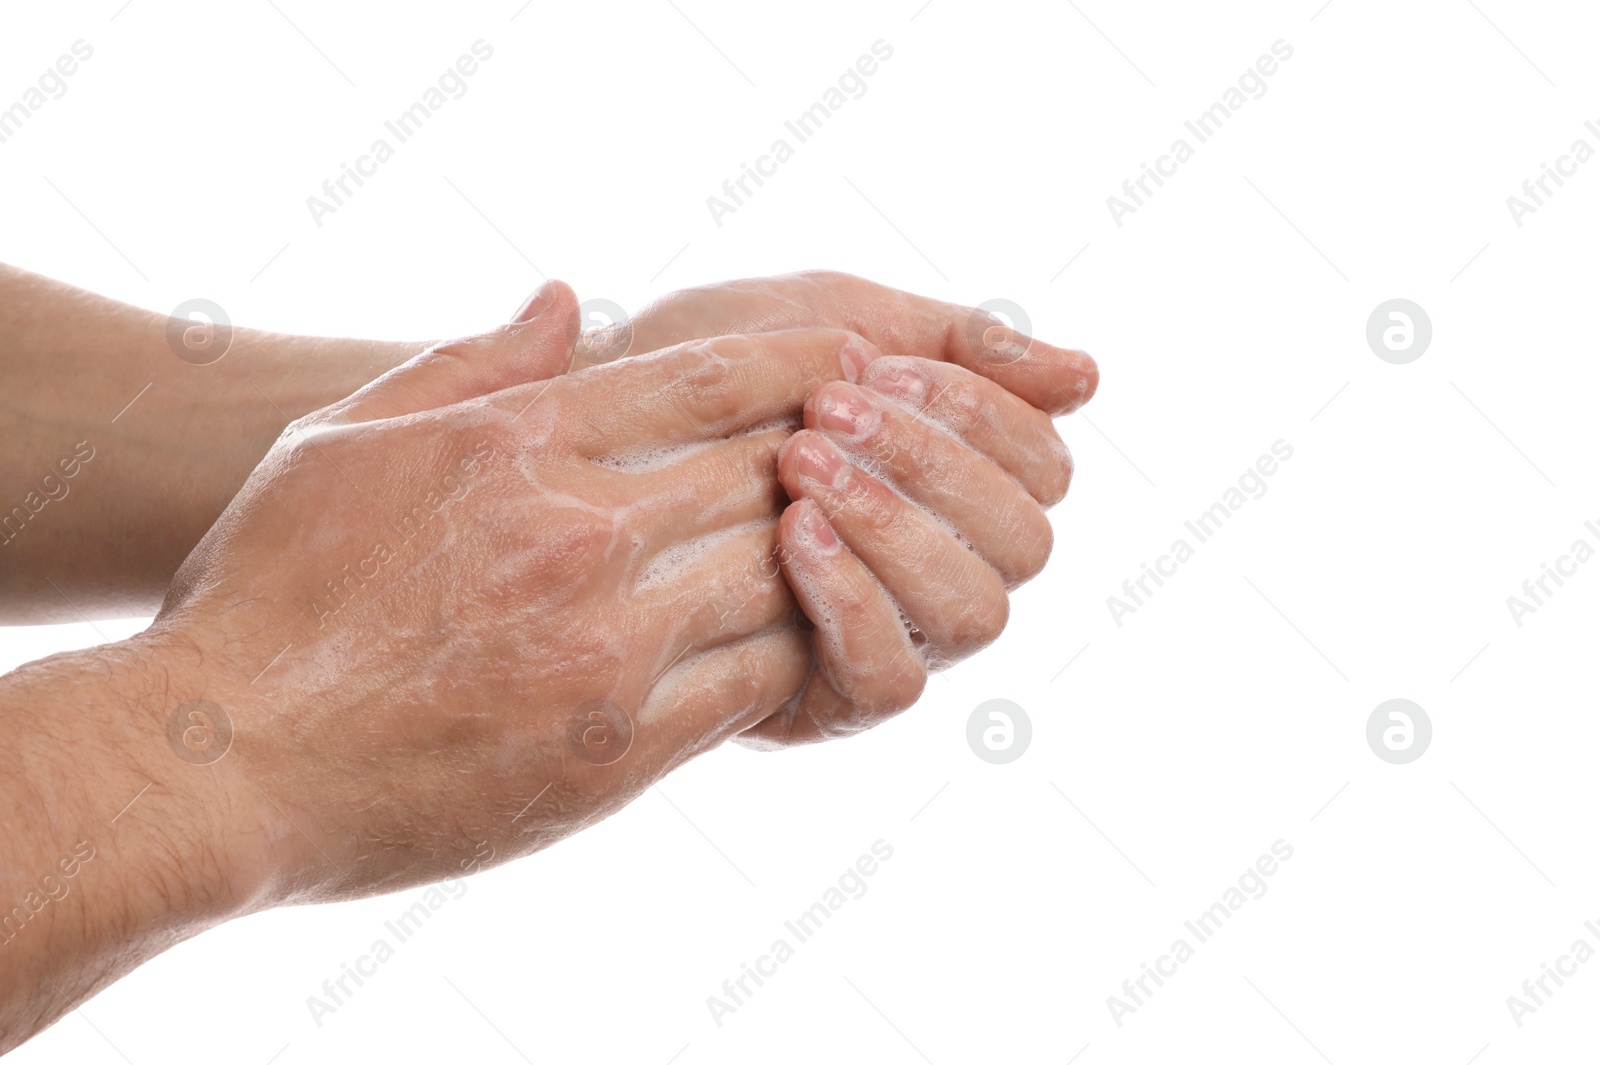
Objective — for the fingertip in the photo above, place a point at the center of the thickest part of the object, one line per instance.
(1056, 479)
(808, 458)
(539, 340)
(789, 521)
(804, 531)
(1081, 382)
(551, 310)
(546, 300)
(534, 304)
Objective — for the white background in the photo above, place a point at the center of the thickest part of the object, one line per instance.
(1227, 313)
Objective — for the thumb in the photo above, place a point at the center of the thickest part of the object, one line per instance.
(536, 344)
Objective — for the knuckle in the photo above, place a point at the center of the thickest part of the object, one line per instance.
(984, 623)
(903, 687)
(747, 689)
(959, 408)
(1056, 477)
(873, 509)
(924, 445)
(565, 548)
(765, 736)
(297, 433)
(1038, 546)
(708, 365)
(838, 726)
(847, 717)
(860, 612)
(706, 387)
(891, 691)
(303, 441)
(1031, 546)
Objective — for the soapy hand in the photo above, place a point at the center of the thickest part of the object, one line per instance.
(486, 607)
(1055, 380)
(946, 441)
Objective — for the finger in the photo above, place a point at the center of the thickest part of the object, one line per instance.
(713, 487)
(1053, 379)
(717, 589)
(868, 670)
(709, 697)
(700, 390)
(986, 507)
(956, 600)
(984, 416)
(535, 345)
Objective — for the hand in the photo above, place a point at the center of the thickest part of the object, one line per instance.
(955, 421)
(137, 405)
(471, 577)
(935, 480)
(460, 611)
(907, 596)
(1055, 380)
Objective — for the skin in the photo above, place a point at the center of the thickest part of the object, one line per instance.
(162, 471)
(465, 610)
(165, 468)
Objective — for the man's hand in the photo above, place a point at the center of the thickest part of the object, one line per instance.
(474, 608)
(169, 441)
(936, 481)
(461, 610)
(1056, 380)
(948, 441)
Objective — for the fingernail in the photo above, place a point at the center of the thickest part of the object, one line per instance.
(853, 358)
(901, 383)
(822, 532)
(847, 414)
(535, 303)
(822, 466)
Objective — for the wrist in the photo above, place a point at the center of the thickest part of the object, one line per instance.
(228, 855)
(116, 746)
(115, 847)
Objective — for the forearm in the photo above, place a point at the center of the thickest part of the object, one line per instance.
(115, 847)
(120, 454)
